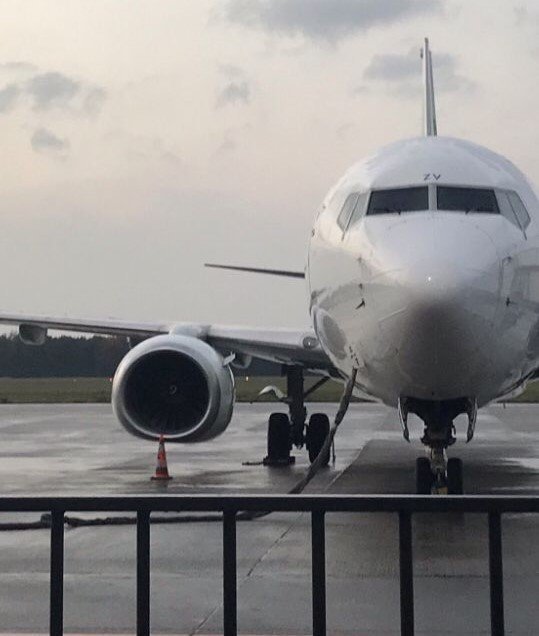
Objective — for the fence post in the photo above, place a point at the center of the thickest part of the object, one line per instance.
(318, 546)
(56, 617)
(143, 573)
(230, 610)
(406, 574)
(497, 622)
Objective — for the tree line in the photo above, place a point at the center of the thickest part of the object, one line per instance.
(67, 357)
(63, 357)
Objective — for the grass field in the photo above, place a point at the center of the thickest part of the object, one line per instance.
(76, 390)
(50, 390)
(79, 390)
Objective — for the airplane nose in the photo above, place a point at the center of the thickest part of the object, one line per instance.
(431, 260)
(435, 259)
(426, 282)
(435, 293)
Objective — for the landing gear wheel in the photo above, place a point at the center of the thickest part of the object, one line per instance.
(278, 441)
(317, 432)
(423, 476)
(455, 482)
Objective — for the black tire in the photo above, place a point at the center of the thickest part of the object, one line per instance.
(278, 437)
(455, 481)
(423, 476)
(317, 432)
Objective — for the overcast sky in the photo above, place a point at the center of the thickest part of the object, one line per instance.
(140, 138)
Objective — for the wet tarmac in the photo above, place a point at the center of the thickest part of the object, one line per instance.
(81, 449)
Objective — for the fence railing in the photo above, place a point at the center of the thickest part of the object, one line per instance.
(317, 505)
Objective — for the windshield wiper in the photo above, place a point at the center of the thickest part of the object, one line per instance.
(390, 210)
(480, 210)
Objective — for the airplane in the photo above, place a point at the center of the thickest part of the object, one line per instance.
(423, 275)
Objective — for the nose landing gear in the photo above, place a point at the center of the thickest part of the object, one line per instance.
(436, 474)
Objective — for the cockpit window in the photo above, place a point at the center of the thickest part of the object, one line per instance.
(359, 209)
(398, 200)
(519, 209)
(346, 211)
(467, 200)
(506, 209)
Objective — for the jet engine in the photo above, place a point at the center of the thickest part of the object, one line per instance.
(174, 385)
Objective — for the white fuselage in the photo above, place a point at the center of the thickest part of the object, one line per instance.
(430, 304)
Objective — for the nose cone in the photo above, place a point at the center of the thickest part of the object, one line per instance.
(428, 283)
(434, 288)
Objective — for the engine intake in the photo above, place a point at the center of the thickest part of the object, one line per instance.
(176, 386)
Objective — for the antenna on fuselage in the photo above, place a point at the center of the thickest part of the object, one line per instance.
(429, 123)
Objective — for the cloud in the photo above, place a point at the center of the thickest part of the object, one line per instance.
(526, 16)
(360, 90)
(93, 100)
(230, 141)
(228, 145)
(46, 91)
(18, 67)
(147, 149)
(234, 93)
(344, 131)
(522, 15)
(51, 89)
(401, 70)
(8, 97)
(323, 20)
(236, 88)
(44, 141)
(393, 67)
(231, 71)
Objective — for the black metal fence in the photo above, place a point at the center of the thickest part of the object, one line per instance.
(317, 505)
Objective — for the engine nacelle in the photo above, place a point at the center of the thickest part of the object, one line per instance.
(175, 385)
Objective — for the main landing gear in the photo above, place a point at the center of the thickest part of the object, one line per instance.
(286, 430)
(436, 474)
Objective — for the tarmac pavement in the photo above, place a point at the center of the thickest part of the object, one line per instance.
(80, 449)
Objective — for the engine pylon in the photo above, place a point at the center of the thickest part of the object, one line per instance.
(161, 470)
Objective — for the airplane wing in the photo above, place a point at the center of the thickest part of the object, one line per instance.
(285, 346)
(107, 326)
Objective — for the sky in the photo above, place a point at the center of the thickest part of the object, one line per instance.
(140, 139)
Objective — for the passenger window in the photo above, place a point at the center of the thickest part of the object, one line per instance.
(346, 212)
(467, 200)
(519, 209)
(398, 200)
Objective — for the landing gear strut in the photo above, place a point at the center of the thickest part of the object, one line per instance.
(296, 404)
(288, 430)
(435, 474)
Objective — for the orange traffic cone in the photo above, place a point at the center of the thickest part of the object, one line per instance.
(161, 471)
